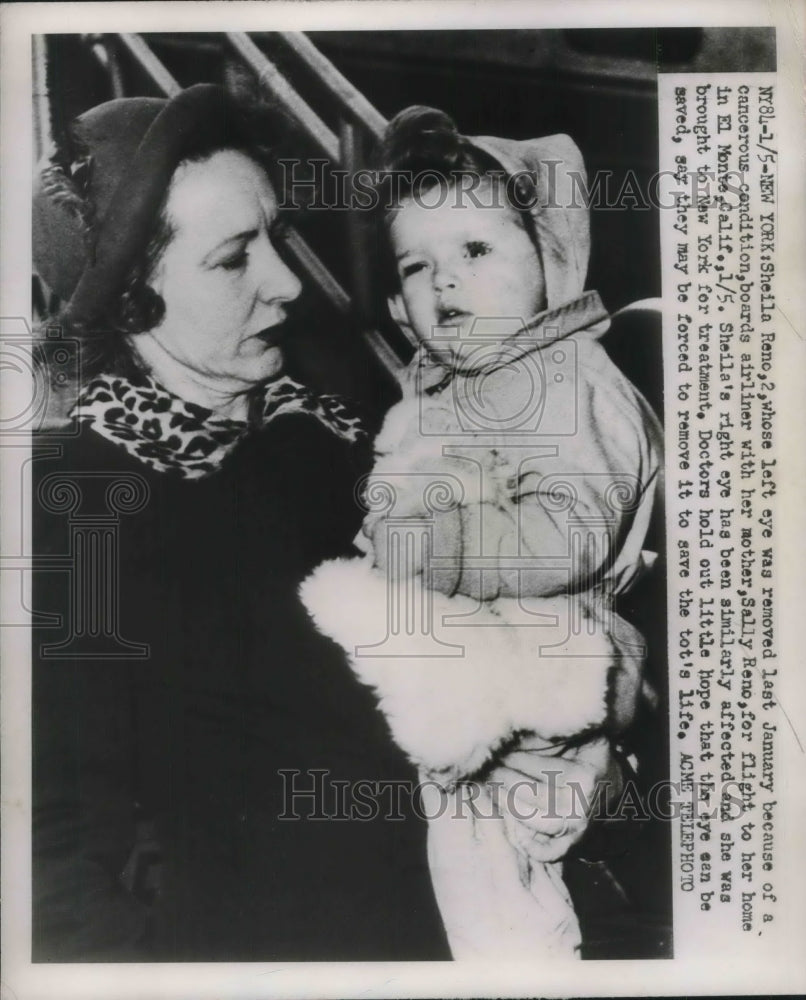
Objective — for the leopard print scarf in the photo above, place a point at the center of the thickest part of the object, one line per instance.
(172, 435)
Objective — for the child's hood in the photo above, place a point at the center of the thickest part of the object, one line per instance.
(561, 218)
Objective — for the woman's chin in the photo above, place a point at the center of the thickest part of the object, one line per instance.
(266, 363)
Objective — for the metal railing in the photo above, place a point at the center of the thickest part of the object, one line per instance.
(358, 125)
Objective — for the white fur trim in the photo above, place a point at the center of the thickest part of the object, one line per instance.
(451, 713)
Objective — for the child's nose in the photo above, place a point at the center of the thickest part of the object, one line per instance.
(445, 277)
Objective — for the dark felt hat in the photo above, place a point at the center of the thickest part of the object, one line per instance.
(126, 153)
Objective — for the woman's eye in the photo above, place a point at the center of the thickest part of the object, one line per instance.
(236, 262)
(477, 248)
(407, 270)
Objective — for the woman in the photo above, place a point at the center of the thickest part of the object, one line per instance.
(170, 763)
(198, 749)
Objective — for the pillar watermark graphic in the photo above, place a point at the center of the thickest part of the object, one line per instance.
(94, 503)
(37, 371)
(407, 543)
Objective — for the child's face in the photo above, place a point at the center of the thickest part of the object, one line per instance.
(468, 273)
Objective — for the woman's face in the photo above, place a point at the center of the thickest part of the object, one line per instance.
(224, 285)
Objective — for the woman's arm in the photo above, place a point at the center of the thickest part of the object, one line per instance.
(83, 754)
(84, 827)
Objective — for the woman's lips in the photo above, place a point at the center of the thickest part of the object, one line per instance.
(272, 336)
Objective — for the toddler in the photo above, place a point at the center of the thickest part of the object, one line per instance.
(547, 460)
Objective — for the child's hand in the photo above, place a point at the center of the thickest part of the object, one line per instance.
(412, 548)
(547, 799)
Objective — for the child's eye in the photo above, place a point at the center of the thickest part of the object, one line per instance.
(477, 248)
(236, 262)
(407, 270)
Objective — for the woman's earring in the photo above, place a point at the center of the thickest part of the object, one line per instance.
(141, 308)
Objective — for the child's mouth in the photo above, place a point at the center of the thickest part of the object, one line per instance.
(451, 317)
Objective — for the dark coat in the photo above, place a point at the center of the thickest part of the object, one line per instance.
(160, 780)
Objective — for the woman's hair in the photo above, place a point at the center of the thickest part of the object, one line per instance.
(421, 149)
(257, 130)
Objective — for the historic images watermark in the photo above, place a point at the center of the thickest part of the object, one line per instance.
(313, 184)
(35, 367)
(315, 795)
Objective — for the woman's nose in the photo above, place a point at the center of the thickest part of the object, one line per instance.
(279, 283)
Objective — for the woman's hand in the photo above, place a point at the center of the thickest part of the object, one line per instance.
(547, 798)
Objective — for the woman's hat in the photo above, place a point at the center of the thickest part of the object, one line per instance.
(93, 217)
